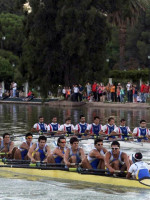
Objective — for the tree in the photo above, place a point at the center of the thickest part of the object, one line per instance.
(122, 13)
(65, 43)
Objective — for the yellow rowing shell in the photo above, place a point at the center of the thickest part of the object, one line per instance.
(72, 176)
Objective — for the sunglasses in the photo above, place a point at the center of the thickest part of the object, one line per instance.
(99, 144)
(29, 137)
(63, 142)
(115, 148)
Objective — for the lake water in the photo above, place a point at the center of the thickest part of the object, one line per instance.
(20, 118)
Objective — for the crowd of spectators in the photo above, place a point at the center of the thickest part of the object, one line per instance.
(111, 93)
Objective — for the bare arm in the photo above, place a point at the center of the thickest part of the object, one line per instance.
(129, 175)
(107, 160)
(82, 154)
(58, 152)
(126, 160)
(24, 146)
(66, 157)
(11, 147)
(30, 153)
(96, 154)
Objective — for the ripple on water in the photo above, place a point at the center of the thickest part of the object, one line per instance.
(52, 190)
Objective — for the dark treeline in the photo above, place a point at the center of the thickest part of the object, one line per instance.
(68, 41)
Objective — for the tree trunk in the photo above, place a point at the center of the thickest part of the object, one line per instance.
(122, 43)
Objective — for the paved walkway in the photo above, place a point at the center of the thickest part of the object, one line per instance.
(55, 102)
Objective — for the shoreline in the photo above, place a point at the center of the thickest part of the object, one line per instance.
(63, 103)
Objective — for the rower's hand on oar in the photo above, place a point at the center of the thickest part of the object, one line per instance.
(33, 160)
(111, 170)
(68, 164)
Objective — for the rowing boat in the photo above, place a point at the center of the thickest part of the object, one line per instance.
(72, 176)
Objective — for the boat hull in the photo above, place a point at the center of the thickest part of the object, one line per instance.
(72, 176)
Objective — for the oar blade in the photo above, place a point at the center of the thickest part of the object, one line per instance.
(145, 181)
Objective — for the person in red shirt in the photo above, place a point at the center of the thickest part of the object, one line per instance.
(94, 90)
(142, 90)
(146, 91)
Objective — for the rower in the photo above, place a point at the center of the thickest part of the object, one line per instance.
(21, 152)
(80, 128)
(142, 132)
(109, 128)
(53, 126)
(40, 126)
(74, 154)
(58, 154)
(7, 146)
(116, 159)
(39, 151)
(139, 169)
(67, 127)
(95, 159)
(122, 131)
(95, 128)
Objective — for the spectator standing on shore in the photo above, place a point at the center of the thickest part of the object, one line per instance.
(94, 90)
(64, 92)
(128, 90)
(113, 94)
(88, 88)
(14, 89)
(135, 93)
(146, 91)
(122, 94)
(108, 87)
(80, 92)
(131, 94)
(76, 92)
(142, 90)
(118, 92)
(1, 94)
(99, 92)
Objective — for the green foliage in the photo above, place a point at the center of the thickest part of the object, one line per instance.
(130, 74)
(65, 43)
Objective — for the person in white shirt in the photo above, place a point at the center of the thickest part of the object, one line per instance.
(80, 128)
(128, 90)
(40, 126)
(67, 127)
(76, 92)
(14, 89)
(53, 126)
(109, 128)
(123, 131)
(142, 132)
(95, 128)
(139, 169)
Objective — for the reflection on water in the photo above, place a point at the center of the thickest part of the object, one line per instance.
(23, 117)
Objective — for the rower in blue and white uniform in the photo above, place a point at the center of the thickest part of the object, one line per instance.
(40, 151)
(116, 159)
(122, 131)
(95, 159)
(80, 128)
(139, 169)
(58, 154)
(67, 127)
(74, 154)
(95, 128)
(142, 132)
(40, 126)
(7, 146)
(21, 152)
(109, 128)
(54, 126)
